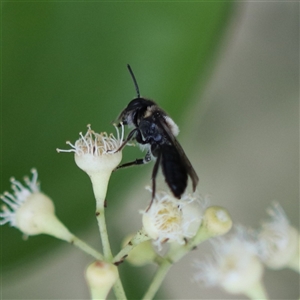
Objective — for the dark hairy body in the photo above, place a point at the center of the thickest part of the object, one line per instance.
(154, 130)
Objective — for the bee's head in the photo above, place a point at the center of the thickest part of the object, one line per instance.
(134, 111)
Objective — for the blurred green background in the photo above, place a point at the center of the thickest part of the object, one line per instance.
(64, 66)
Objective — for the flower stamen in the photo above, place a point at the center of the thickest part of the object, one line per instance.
(170, 220)
(96, 144)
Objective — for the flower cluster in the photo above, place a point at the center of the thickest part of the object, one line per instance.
(238, 259)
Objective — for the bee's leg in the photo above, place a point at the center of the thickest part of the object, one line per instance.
(129, 137)
(139, 139)
(138, 161)
(154, 174)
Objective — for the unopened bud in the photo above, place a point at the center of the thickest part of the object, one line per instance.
(100, 277)
(140, 255)
(217, 220)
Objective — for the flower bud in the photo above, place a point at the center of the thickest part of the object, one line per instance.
(217, 220)
(140, 255)
(100, 277)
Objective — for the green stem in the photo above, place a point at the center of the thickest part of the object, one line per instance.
(100, 182)
(86, 248)
(100, 214)
(157, 280)
(118, 287)
(140, 237)
(119, 290)
(175, 254)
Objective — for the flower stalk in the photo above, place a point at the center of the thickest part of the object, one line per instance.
(86, 248)
(100, 215)
(136, 240)
(159, 277)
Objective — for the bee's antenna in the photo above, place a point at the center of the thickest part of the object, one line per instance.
(134, 81)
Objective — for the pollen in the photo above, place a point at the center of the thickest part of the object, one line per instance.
(168, 217)
(170, 220)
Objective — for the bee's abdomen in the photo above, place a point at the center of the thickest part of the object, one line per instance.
(173, 169)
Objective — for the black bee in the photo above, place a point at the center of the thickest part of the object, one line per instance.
(155, 131)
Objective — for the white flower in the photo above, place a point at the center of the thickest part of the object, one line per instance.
(235, 265)
(15, 201)
(100, 277)
(172, 220)
(97, 154)
(31, 211)
(278, 241)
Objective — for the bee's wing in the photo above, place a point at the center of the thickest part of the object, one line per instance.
(175, 143)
